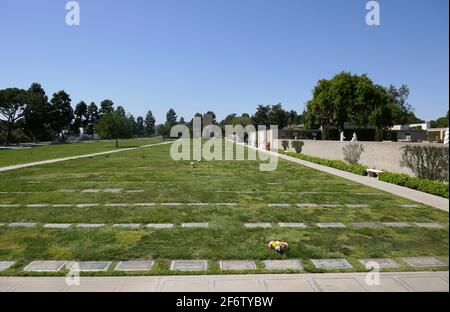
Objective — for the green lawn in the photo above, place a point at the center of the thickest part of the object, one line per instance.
(167, 181)
(14, 157)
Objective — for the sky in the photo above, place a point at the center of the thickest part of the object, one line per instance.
(227, 56)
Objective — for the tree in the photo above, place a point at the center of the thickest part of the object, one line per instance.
(114, 125)
(139, 129)
(163, 130)
(294, 119)
(61, 113)
(36, 113)
(350, 98)
(12, 104)
(342, 98)
(182, 121)
(278, 116)
(402, 110)
(261, 117)
(209, 118)
(171, 118)
(440, 122)
(92, 118)
(149, 124)
(81, 118)
(106, 106)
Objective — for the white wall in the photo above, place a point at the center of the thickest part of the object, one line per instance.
(378, 155)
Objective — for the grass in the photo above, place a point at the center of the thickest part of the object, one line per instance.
(19, 156)
(164, 180)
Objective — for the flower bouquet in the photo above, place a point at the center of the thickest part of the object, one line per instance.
(279, 246)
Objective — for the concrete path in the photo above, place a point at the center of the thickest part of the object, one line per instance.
(421, 197)
(52, 161)
(329, 282)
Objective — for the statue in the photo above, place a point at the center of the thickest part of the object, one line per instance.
(342, 136)
(355, 137)
(446, 137)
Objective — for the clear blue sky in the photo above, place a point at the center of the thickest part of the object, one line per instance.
(223, 55)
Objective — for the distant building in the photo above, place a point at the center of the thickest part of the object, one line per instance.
(419, 126)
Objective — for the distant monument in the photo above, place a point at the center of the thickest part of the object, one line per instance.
(446, 137)
(342, 136)
(355, 137)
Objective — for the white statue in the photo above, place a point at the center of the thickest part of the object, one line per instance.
(342, 136)
(355, 137)
(446, 137)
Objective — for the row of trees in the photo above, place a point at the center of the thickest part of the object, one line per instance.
(348, 98)
(264, 115)
(29, 114)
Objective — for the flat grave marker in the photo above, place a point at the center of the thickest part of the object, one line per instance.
(237, 265)
(22, 224)
(5, 265)
(364, 225)
(331, 264)
(57, 225)
(45, 266)
(159, 225)
(382, 263)
(283, 265)
(292, 225)
(90, 225)
(257, 225)
(189, 265)
(396, 224)
(130, 266)
(429, 225)
(195, 225)
(330, 225)
(422, 262)
(93, 266)
(132, 226)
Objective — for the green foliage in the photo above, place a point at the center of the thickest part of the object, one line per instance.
(349, 98)
(163, 131)
(426, 161)
(298, 145)
(441, 122)
(61, 113)
(92, 118)
(149, 124)
(171, 118)
(337, 164)
(114, 125)
(106, 106)
(37, 114)
(285, 145)
(12, 104)
(352, 152)
(423, 185)
(402, 111)
(271, 115)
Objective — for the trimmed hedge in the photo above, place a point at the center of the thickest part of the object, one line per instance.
(337, 164)
(423, 185)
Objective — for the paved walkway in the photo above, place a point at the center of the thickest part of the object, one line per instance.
(346, 282)
(421, 197)
(52, 161)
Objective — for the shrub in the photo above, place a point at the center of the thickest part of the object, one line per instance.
(285, 144)
(298, 145)
(426, 162)
(423, 185)
(352, 152)
(337, 164)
